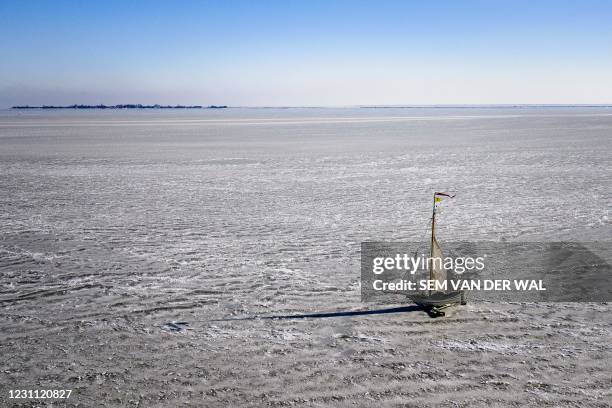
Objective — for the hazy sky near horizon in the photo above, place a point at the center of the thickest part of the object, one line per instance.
(305, 53)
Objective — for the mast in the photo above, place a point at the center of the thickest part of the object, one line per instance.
(433, 226)
(434, 243)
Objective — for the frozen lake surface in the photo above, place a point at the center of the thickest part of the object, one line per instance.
(116, 222)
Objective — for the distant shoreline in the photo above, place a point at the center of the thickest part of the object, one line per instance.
(125, 106)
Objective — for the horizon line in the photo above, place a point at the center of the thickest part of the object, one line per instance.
(365, 106)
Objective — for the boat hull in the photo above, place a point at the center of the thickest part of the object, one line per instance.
(438, 299)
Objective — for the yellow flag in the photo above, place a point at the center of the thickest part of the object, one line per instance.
(438, 199)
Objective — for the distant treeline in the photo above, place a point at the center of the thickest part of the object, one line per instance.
(127, 106)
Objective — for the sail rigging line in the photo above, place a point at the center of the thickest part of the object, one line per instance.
(430, 221)
(424, 234)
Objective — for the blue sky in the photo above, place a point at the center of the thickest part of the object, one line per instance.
(305, 53)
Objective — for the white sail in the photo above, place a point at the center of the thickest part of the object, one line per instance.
(437, 262)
